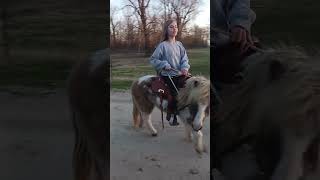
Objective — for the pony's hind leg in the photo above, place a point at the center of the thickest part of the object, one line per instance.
(141, 121)
(146, 117)
(137, 121)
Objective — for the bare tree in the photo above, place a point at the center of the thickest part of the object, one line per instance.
(141, 29)
(114, 25)
(184, 10)
(130, 32)
(155, 31)
(167, 10)
(4, 32)
(140, 7)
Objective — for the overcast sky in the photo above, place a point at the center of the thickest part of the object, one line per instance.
(202, 19)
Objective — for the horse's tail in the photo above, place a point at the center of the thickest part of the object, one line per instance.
(89, 158)
(81, 157)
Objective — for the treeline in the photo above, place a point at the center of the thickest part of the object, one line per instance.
(138, 24)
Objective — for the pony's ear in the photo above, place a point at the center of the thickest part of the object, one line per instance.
(195, 83)
(276, 69)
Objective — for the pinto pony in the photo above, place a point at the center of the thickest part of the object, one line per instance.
(88, 99)
(193, 106)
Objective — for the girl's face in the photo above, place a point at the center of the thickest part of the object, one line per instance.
(172, 29)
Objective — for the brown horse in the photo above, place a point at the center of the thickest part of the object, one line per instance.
(278, 105)
(88, 98)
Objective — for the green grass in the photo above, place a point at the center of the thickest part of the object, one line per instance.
(124, 74)
(46, 38)
(49, 74)
(120, 84)
(288, 21)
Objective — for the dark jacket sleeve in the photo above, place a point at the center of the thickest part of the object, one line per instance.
(240, 14)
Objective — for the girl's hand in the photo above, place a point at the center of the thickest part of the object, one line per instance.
(184, 72)
(242, 38)
(167, 67)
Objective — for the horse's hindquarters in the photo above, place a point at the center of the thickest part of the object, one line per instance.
(88, 97)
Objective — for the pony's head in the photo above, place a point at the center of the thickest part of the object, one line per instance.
(194, 101)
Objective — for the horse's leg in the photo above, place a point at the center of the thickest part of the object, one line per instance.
(140, 120)
(315, 173)
(290, 166)
(147, 118)
(198, 141)
(136, 116)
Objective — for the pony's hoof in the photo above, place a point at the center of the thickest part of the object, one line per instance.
(154, 134)
(200, 149)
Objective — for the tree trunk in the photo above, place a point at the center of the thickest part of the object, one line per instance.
(145, 32)
(180, 27)
(4, 33)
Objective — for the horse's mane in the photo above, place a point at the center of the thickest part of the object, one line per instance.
(281, 69)
(197, 89)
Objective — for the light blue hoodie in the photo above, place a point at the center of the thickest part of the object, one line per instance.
(171, 54)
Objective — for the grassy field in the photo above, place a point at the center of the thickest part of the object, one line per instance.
(292, 22)
(126, 68)
(46, 38)
(49, 74)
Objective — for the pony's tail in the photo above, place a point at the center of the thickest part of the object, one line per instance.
(136, 116)
(81, 158)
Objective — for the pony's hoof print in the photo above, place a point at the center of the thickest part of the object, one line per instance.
(154, 134)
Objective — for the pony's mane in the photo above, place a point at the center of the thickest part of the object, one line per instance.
(197, 89)
(299, 73)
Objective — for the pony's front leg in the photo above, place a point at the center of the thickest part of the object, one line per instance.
(188, 134)
(147, 118)
(290, 166)
(199, 146)
(315, 174)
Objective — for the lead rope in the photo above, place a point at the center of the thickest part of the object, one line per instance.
(161, 108)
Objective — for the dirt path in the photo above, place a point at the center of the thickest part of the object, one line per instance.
(135, 154)
(36, 137)
(37, 140)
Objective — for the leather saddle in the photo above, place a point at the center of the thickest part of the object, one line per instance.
(161, 89)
